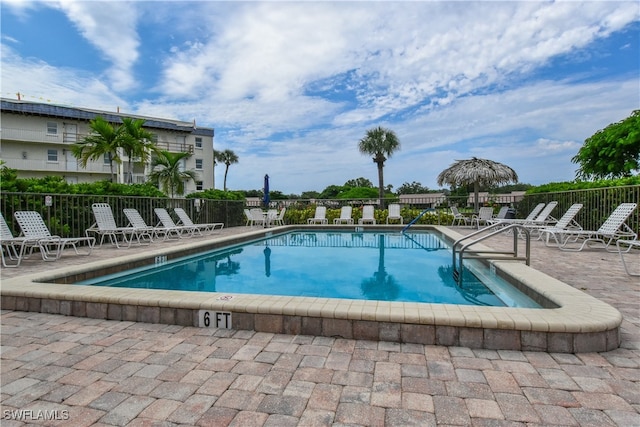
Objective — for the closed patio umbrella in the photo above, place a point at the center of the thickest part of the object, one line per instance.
(477, 172)
(267, 261)
(265, 198)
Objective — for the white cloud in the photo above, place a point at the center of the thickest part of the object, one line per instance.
(111, 28)
(264, 55)
(38, 81)
(292, 86)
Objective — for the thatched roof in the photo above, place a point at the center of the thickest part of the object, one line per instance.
(477, 171)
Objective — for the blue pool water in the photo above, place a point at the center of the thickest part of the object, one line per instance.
(388, 266)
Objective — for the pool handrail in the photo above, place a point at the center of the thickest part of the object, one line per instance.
(413, 221)
(521, 231)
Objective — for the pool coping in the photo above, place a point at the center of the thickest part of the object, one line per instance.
(578, 323)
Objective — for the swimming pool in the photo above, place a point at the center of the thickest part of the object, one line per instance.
(569, 320)
(381, 266)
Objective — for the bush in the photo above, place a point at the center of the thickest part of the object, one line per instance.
(112, 188)
(10, 183)
(584, 185)
(300, 215)
(217, 195)
(359, 193)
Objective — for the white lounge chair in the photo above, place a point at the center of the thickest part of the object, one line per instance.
(51, 247)
(612, 229)
(502, 213)
(368, 215)
(258, 217)
(105, 226)
(345, 216)
(272, 217)
(144, 230)
(13, 249)
(630, 245)
(539, 216)
(532, 216)
(484, 216)
(394, 213)
(320, 216)
(459, 218)
(247, 215)
(534, 213)
(171, 227)
(544, 217)
(566, 222)
(280, 218)
(185, 219)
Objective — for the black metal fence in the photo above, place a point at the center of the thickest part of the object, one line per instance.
(69, 215)
(598, 204)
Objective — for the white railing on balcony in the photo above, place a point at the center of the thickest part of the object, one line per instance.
(62, 137)
(31, 135)
(62, 165)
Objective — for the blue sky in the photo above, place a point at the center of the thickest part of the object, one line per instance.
(291, 87)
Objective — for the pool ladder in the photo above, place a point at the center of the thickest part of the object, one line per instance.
(464, 252)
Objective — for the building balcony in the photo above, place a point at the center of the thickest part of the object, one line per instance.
(26, 135)
(69, 165)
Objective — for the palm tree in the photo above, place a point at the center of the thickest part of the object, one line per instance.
(379, 142)
(136, 143)
(167, 174)
(228, 157)
(104, 139)
(382, 286)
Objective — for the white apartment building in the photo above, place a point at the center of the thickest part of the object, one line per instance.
(35, 140)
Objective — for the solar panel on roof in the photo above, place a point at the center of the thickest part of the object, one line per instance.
(79, 114)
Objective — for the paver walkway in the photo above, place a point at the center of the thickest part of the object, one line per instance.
(68, 371)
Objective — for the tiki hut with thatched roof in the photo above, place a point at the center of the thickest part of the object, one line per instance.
(477, 172)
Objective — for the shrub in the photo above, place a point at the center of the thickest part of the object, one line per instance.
(10, 183)
(217, 195)
(583, 185)
(300, 215)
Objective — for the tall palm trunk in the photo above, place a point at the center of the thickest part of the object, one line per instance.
(113, 174)
(226, 170)
(381, 184)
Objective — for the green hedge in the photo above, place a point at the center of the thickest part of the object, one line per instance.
(300, 215)
(584, 185)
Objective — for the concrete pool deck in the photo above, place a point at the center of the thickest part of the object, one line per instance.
(120, 372)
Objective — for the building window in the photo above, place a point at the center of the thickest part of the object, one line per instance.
(198, 164)
(199, 186)
(198, 142)
(106, 159)
(52, 128)
(52, 155)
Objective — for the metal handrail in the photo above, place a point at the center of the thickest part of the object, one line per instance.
(413, 221)
(488, 254)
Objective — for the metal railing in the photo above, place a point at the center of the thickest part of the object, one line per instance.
(598, 204)
(67, 138)
(70, 215)
(465, 251)
(65, 163)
